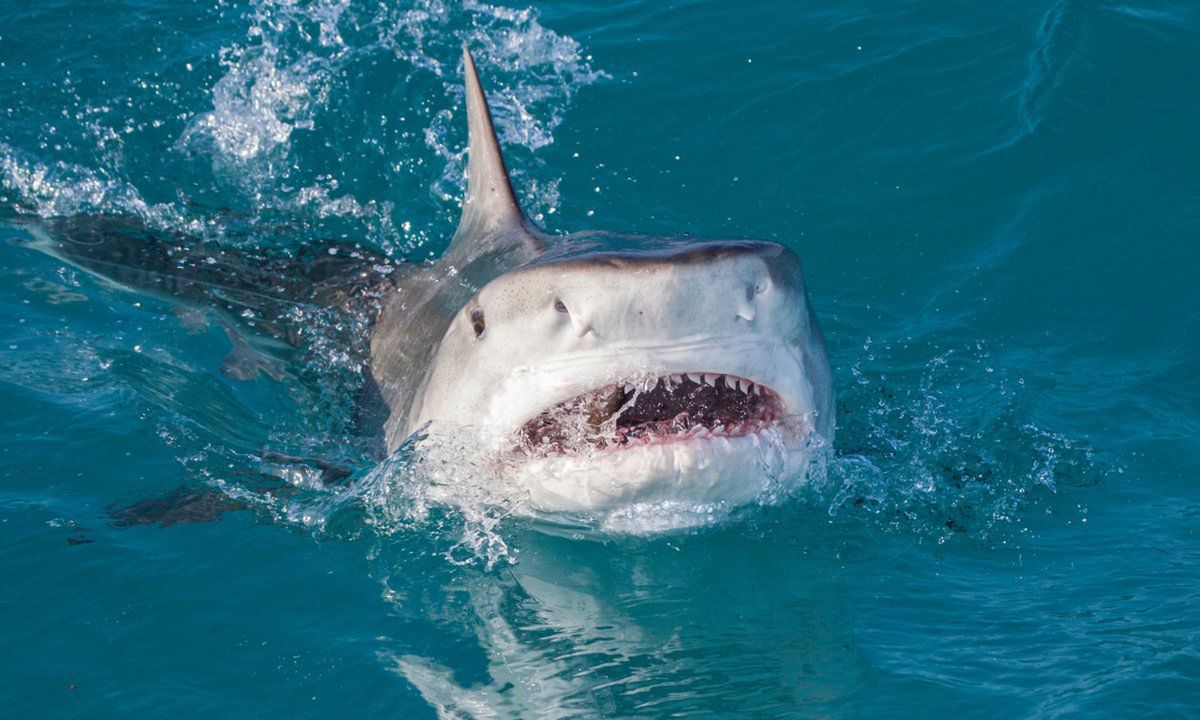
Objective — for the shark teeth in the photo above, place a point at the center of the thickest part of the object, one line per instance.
(670, 408)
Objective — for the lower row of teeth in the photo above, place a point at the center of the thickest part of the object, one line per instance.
(698, 431)
(649, 432)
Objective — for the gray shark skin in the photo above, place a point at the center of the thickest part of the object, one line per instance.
(594, 370)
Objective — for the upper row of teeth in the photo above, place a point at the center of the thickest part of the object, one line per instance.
(731, 382)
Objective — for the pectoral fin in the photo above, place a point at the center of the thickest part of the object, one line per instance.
(193, 318)
(244, 362)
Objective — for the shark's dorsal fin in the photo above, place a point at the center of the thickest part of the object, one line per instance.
(491, 216)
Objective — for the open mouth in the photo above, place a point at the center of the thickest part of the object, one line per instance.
(670, 408)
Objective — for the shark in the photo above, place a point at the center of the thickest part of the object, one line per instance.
(588, 371)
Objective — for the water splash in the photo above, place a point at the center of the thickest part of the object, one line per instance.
(310, 126)
(456, 506)
(61, 188)
(947, 451)
(286, 78)
(256, 107)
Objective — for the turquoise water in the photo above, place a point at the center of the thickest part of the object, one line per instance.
(998, 207)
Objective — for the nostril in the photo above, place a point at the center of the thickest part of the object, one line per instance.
(746, 310)
(477, 322)
(560, 306)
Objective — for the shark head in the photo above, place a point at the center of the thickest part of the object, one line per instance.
(601, 370)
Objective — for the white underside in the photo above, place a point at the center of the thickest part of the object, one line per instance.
(730, 471)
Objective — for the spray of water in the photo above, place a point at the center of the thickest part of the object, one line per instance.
(264, 151)
(943, 451)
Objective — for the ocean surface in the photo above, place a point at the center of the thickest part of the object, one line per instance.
(998, 208)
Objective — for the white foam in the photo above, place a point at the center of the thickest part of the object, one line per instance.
(257, 105)
(942, 452)
(291, 76)
(280, 77)
(59, 188)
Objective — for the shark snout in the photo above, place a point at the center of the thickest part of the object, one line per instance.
(710, 290)
(660, 305)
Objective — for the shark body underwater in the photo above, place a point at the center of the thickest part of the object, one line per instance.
(595, 370)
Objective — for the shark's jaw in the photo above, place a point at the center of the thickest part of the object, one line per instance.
(677, 408)
(689, 439)
(686, 423)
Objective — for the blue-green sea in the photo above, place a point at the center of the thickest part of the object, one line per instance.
(998, 209)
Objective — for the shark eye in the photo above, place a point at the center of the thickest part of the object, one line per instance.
(477, 322)
(559, 306)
